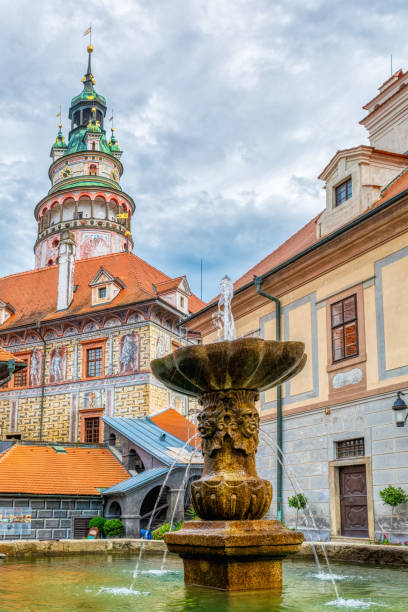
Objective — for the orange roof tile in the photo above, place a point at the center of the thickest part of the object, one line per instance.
(6, 356)
(173, 283)
(394, 188)
(175, 424)
(40, 470)
(304, 238)
(33, 294)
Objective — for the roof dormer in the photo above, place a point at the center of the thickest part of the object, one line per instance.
(353, 181)
(6, 310)
(105, 287)
(176, 291)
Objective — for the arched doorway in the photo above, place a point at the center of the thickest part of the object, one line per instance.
(149, 504)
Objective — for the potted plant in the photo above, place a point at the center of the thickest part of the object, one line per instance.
(393, 496)
(299, 502)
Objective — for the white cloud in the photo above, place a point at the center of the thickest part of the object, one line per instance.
(227, 111)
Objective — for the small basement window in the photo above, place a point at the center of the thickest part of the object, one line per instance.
(350, 448)
(343, 192)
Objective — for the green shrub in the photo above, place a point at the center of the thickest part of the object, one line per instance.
(160, 532)
(99, 522)
(192, 515)
(114, 528)
(299, 502)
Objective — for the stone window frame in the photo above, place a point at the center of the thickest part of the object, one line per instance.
(86, 414)
(343, 326)
(349, 362)
(93, 344)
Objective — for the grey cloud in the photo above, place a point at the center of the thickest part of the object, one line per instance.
(227, 111)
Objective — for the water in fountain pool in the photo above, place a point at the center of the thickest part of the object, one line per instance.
(101, 583)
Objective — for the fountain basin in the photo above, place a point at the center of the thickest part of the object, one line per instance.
(247, 363)
(234, 555)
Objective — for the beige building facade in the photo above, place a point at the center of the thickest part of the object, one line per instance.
(341, 286)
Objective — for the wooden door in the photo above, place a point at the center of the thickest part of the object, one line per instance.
(353, 501)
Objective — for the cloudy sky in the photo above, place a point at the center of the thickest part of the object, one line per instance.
(227, 111)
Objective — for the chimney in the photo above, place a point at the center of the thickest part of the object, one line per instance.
(66, 263)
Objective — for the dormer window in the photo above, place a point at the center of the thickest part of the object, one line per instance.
(105, 287)
(343, 192)
(181, 302)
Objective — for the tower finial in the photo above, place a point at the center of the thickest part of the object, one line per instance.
(89, 48)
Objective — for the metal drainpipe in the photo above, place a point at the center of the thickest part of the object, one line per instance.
(42, 379)
(258, 280)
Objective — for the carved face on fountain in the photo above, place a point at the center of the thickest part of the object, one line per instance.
(248, 421)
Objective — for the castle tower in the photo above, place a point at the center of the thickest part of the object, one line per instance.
(85, 196)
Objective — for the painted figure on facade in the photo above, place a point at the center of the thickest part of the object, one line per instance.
(35, 368)
(94, 245)
(58, 364)
(92, 400)
(160, 347)
(129, 353)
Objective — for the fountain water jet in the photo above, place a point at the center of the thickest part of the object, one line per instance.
(231, 548)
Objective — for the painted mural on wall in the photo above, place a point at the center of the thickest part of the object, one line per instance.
(35, 368)
(58, 364)
(94, 244)
(129, 353)
(92, 400)
(160, 346)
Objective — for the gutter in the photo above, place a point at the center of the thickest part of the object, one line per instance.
(42, 379)
(258, 280)
(310, 249)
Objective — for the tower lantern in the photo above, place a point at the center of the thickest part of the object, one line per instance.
(85, 196)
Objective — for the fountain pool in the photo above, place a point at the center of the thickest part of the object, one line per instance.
(102, 583)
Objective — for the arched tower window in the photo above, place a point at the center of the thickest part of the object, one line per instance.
(92, 168)
(93, 146)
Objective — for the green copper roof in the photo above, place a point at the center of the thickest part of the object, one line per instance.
(59, 142)
(77, 142)
(88, 96)
(98, 182)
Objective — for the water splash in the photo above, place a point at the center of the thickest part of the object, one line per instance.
(327, 576)
(354, 604)
(223, 319)
(122, 591)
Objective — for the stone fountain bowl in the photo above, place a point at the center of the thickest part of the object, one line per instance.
(247, 363)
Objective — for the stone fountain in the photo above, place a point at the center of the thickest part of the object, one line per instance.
(231, 547)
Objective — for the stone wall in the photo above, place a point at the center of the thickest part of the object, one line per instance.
(53, 517)
(309, 444)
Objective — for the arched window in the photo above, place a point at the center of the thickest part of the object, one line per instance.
(112, 439)
(93, 169)
(115, 511)
(134, 462)
(149, 504)
(93, 146)
(50, 262)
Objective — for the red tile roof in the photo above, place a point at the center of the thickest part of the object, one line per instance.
(394, 188)
(304, 238)
(33, 294)
(41, 470)
(175, 424)
(6, 356)
(169, 285)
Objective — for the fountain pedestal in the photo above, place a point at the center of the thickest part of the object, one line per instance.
(231, 548)
(234, 555)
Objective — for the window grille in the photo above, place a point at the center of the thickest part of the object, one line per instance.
(92, 430)
(344, 328)
(20, 378)
(94, 362)
(343, 192)
(350, 448)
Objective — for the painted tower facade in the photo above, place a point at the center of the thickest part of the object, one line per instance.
(85, 196)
